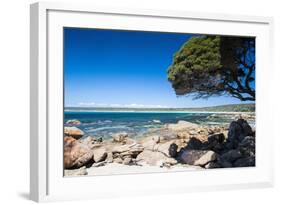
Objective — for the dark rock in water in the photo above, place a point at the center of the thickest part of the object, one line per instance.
(173, 150)
(245, 162)
(231, 155)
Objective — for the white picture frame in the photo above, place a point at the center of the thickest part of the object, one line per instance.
(46, 174)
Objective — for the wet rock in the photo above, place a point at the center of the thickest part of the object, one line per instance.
(73, 132)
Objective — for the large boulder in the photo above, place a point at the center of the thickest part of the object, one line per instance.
(238, 130)
(182, 125)
(73, 132)
(231, 155)
(76, 154)
(154, 158)
(100, 154)
(197, 157)
(166, 148)
(194, 144)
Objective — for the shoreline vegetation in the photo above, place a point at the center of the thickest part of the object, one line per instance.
(179, 146)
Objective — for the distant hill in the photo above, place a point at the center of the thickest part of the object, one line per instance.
(229, 108)
(250, 107)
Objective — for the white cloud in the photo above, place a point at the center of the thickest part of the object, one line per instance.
(132, 105)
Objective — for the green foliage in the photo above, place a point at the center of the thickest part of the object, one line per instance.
(208, 65)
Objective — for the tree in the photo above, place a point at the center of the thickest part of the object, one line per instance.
(215, 65)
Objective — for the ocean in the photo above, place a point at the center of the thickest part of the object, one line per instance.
(136, 124)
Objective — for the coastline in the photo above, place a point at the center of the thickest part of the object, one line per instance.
(181, 146)
(133, 111)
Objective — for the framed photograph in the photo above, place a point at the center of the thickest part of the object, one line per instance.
(123, 97)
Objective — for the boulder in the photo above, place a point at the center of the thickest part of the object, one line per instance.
(99, 154)
(73, 132)
(99, 164)
(238, 130)
(76, 154)
(148, 157)
(73, 122)
(120, 137)
(109, 158)
(245, 162)
(197, 157)
(194, 144)
(182, 125)
(223, 163)
(232, 155)
(118, 160)
(132, 148)
(76, 172)
(216, 138)
(173, 150)
(212, 165)
(127, 161)
(166, 148)
(90, 141)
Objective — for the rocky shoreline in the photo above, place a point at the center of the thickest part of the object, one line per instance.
(173, 147)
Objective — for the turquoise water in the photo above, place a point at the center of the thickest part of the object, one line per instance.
(104, 124)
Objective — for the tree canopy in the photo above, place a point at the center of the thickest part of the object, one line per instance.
(215, 65)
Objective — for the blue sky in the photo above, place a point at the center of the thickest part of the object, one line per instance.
(124, 69)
